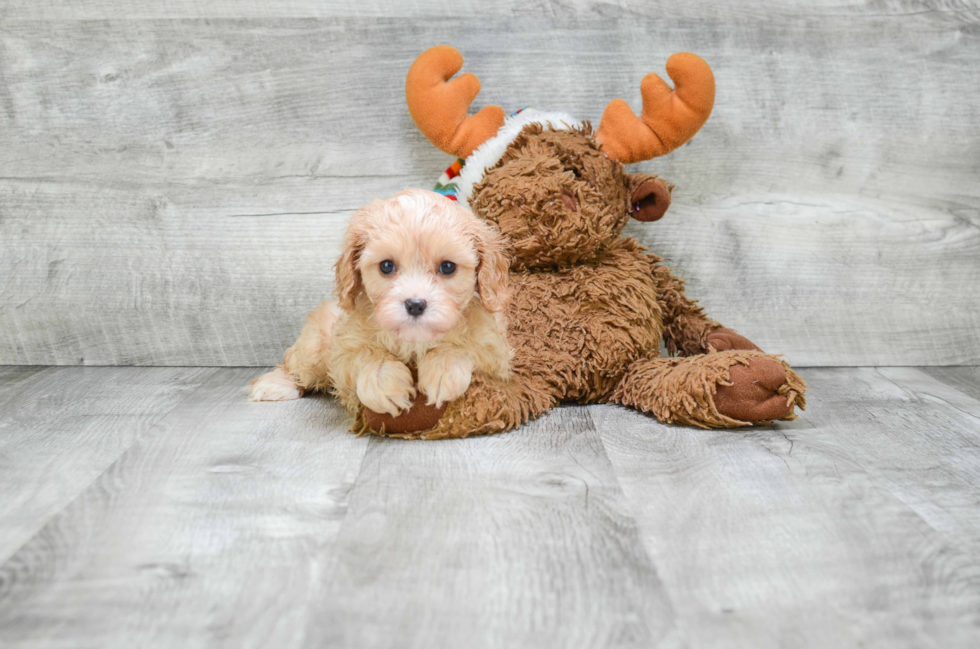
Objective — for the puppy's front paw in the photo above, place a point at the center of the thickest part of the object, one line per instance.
(443, 377)
(274, 386)
(386, 386)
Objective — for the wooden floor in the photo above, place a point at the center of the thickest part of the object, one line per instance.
(146, 507)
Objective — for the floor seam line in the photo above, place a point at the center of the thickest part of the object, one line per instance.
(96, 478)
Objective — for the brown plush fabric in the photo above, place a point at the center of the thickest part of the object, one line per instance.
(713, 390)
(722, 339)
(419, 417)
(686, 327)
(752, 391)
(650, 201)
(523, 196)
(590, 307)
(489, 406)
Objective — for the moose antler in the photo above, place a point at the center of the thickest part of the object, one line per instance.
(669, 118)
(439, 106)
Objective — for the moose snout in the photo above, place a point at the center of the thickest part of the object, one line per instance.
(415, 307)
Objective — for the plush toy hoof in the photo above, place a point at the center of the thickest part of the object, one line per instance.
(753, 395)
(722, 340)
(419, 417)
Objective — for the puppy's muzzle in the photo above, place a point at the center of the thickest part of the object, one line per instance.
(415, 308)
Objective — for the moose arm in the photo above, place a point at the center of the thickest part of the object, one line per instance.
(687, 330)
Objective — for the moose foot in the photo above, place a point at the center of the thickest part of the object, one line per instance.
(420, 416)
(488, 406)
(717, 390)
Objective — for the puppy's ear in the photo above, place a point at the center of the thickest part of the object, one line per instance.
(491, 273)
(348, 281)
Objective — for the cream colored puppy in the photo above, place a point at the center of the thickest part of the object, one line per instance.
(421, 282)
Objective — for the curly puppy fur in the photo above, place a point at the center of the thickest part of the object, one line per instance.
(590, 307)
(367, 347)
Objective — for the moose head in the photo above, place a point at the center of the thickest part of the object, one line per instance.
(557, 189)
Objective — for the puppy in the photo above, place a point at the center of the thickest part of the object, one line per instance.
(422, 283)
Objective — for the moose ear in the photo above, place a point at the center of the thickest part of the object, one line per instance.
(650, 199)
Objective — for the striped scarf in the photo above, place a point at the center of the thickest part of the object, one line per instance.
(447, 184)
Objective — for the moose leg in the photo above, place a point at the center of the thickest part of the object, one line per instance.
(488, 406)
(718, 390)
(688, 331)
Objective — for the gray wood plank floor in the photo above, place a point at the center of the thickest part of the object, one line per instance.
(175, 176)
(158, 507)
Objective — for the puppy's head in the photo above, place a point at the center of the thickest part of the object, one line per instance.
(420, 259)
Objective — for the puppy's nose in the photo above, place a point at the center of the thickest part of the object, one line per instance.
(414, 307)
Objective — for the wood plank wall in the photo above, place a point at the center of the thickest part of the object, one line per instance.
(175, 177)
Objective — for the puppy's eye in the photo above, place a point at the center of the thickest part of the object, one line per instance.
(447, 268)
(387, 267)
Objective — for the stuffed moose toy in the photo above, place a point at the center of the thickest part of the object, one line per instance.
(589, 307)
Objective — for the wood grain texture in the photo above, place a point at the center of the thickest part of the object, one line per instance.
(246, 524)
(510, 541)
(853, 526)
(964, 379)
(231, 523)
(210, 530)
(60, 428)
(829, 209)
(948, 10)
